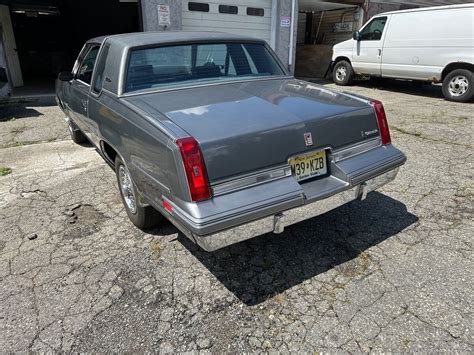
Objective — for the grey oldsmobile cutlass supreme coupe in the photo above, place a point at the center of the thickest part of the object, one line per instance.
(210, 131)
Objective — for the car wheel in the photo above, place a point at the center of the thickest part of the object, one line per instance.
(343, 74)
(76, 135)
(142, 217)
(458, 85)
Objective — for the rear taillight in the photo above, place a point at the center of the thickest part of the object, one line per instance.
(195, 169)
(382, 121)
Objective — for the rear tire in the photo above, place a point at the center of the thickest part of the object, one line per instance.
(76, 135)
(458, 85)
(343, 73)
(142, 217)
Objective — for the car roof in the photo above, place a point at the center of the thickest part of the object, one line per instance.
(446, 7)
(139, 39)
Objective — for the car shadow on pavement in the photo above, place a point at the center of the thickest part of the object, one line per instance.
(258, 269)
(416, 88)
(19, 108)
(9, 113)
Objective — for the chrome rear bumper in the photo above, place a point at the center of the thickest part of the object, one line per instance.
(277, 223)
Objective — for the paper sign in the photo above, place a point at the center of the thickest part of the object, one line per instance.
(285, 21)
(164, 15)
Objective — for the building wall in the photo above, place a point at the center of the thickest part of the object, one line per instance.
(282, 42)
(150, 14)
(4, 87)
(326, 34)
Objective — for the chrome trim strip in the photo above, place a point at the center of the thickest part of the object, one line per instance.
(250, 181)
(132, 94)
(276, 223)
(356, 149)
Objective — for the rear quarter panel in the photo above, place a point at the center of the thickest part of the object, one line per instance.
(143, 146)
(419, 45)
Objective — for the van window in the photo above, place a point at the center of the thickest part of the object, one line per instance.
(373, 31)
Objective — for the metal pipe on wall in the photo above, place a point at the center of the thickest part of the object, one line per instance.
(292, 33)
(319, 27)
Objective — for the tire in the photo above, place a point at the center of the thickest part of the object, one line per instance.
(141, 217)
(458, 85)
(76, 135)
(343, 74)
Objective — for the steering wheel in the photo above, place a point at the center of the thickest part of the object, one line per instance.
(377, 34)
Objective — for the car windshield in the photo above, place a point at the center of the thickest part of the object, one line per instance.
(188, 64)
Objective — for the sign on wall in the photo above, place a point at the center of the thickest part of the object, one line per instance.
(343, 27)
(285, 21)
(164, 18)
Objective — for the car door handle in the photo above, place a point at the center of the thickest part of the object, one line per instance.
(379, 53)
(84, 104)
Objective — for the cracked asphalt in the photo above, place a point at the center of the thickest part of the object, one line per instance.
(392, 273)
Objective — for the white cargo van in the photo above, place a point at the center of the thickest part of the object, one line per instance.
(434, 44)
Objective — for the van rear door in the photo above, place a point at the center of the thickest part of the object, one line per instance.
(367, 56)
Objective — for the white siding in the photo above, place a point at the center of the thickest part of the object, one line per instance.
(254, 26)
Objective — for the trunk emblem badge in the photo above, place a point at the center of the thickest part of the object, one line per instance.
(308, 139)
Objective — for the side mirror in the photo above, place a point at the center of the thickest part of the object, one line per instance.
(65, 76)
(356, 36)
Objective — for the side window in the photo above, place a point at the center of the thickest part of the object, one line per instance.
(99, 72)
(87, 66)
(373, 31)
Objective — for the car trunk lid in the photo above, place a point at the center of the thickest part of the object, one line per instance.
(250, 126)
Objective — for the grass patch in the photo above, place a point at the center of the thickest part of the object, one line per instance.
(156, 248)
(5, 171)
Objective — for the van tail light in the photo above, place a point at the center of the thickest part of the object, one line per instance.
(382, 121)
(195, 169)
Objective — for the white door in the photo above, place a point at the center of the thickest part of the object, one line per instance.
(367, 53)
(9, 44)
(246, 17)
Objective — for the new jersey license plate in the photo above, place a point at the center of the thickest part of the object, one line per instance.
(309, 165)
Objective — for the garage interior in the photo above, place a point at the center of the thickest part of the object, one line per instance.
(50, 33)
(320, 26)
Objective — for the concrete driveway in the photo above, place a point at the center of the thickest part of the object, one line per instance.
(392, 273)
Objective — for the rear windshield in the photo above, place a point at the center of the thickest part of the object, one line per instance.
(182, 65)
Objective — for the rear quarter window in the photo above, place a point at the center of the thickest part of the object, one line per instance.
(99, 76)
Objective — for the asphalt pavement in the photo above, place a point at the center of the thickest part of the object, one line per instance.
(391, 273)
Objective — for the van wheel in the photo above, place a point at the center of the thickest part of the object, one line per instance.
(141, 217)
(458, 85)
(343, 74)
(76, 135)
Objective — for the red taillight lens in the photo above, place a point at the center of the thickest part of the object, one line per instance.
(195, 169)
(382, 121)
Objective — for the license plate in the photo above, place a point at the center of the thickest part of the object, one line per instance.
(310, 165)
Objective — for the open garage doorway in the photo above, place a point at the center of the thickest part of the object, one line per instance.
(50, 33)
(322, 24)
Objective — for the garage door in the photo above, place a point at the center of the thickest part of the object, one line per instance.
(245, 17)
